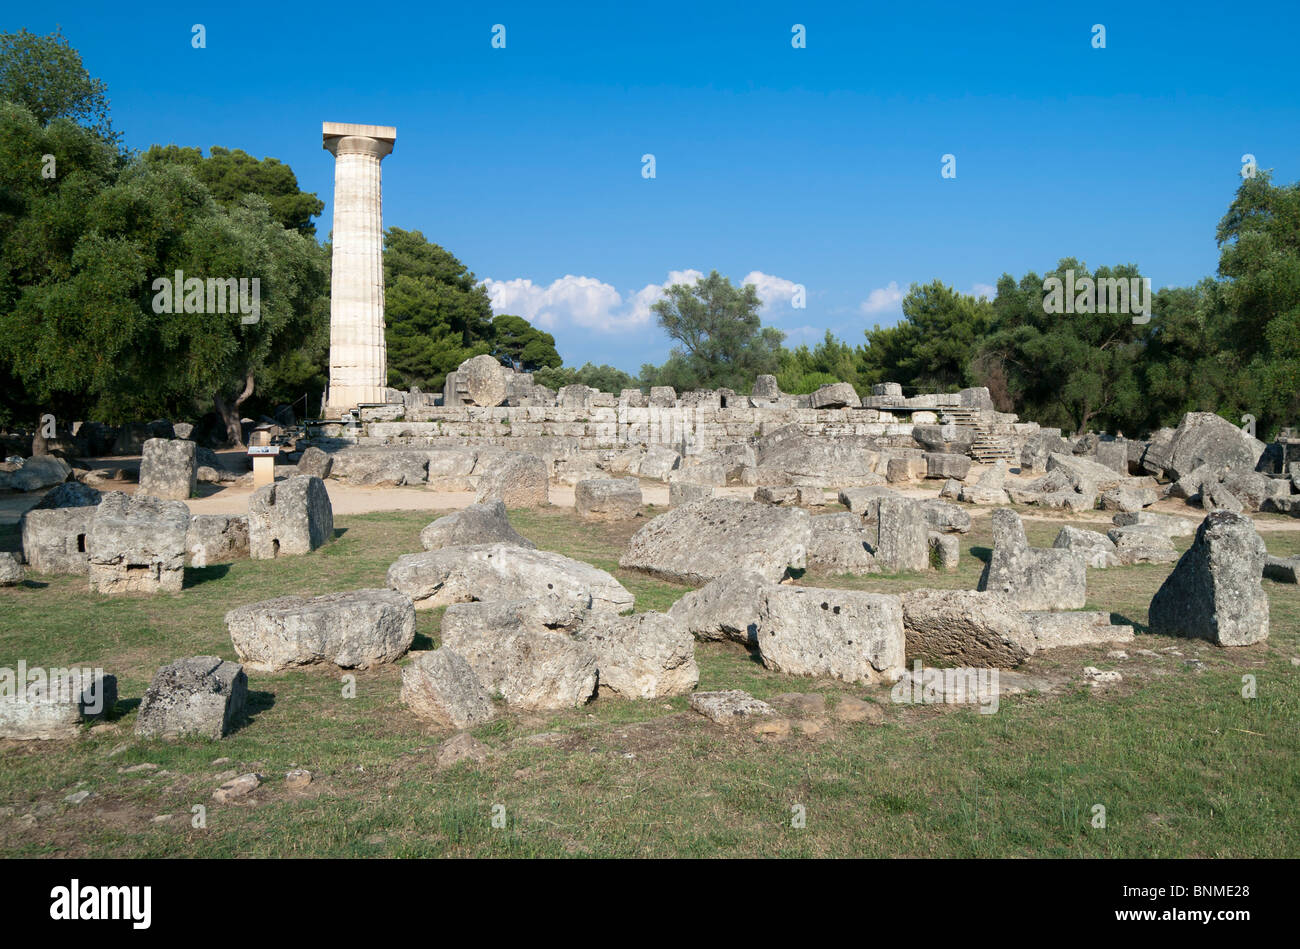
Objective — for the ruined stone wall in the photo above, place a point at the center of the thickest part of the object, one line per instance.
(688, 430)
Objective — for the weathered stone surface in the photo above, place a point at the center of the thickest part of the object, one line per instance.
(1167, 524)
(608, 499)
(1194, 482)
(353, 630)
(1282, 569)
(946, 465)
(1113, 453)
(898, 470)
(202, 696)
(136, 544)
(1216, 497)
(1085, 476)
(1205, 438)
(1075, 628)
(503, 617)
(700, 542)
(315, 463)
(1214, 592)
(784, 494)
(945, 550)
(1097, 549)
(663, 397)
(11, 569)
(789, 456)
(55, 705)
(643, 656)
(1153, 452)
(845, 634)
(684, 492)
(842, 543)
(990, 488)
(502, 572)
(168, 469)
(1127, 499)
(765, 388)
(383, 467)
(837, 395)
(1142, 544)
(1040, 446)
(810, 495)
(945, 517)
(950, 439)
(484, 380)
(1283, 505)
(40, 471)
(449, 469)
(441, 686)
(902, 535)
(293, 516)
(237, 789)
(700, 470)
(476, 524)
(517, 478)
(1250, 487)
(1034, 578)
(725, 608)
(54, 541)
(728, 707)
(69, 494)
(865, 501)
(529, 668)
(214, 538)
(965, 628)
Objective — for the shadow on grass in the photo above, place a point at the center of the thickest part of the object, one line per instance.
(421, 642)
(123, 708)
(196, 575)
(983, 554)
(254, 705)
(1139, 629)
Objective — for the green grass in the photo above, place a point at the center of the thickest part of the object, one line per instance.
(1184, 765)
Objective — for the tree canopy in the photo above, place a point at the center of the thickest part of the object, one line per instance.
(229, 174)
(436, 312)
(722, 340)
(45, 75)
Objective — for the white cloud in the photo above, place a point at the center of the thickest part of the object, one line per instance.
(592, 304)
(983, 290)
(775, 292)
(569, 301)
(882, 299)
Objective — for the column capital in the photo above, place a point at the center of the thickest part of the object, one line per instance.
(345, 138)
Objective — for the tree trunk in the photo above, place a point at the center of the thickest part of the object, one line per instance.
(230, 413)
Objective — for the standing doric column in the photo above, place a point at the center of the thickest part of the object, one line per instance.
(358, 354)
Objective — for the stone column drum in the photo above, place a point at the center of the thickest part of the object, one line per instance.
(358, 355)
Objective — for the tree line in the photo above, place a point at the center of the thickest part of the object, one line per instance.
(86, 226)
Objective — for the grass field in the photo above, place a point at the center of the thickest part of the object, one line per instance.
(1183, 764)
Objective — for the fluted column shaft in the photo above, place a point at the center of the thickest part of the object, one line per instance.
(358, 354)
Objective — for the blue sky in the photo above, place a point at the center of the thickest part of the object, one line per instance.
(816, 166)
